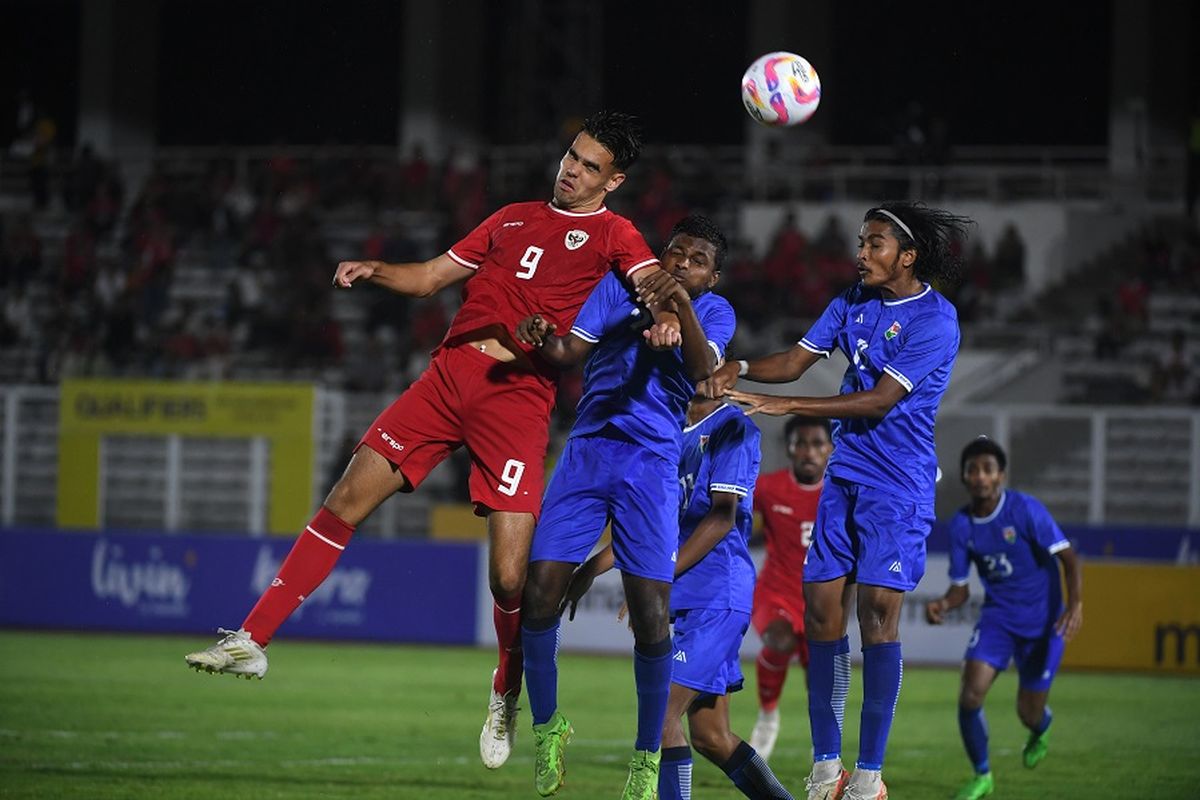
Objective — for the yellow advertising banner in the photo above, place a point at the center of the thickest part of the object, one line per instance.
(1138, 617)
(90, 410)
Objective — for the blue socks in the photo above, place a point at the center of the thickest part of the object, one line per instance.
(972, 724)
(1044, 725)
(751, 775)
(539, 637)
(675, 774)
(828, 685)
(652, 675)
(883, 669)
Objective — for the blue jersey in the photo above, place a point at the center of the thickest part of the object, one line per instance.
(914, 340)
(641, 391)
(1013, 550)
(720, 454)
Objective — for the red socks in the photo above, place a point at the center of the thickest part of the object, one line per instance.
(506, 615)
(772, 667)
(306, 566)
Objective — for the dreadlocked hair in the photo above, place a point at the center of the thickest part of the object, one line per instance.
(934, 234)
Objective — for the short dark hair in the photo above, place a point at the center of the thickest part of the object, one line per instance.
(797, 422)
(620, 134)
(931, 232)
(983, 446)
(701, 227)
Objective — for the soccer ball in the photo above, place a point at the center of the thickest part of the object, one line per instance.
(781, 89)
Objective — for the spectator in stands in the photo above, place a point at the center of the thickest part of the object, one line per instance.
(1173, 379)
(1108, 328)
(45, 130)
(1008, 263)
(1193, 167)
(21, 254)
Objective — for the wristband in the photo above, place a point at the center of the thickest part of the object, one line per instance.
(743, 367)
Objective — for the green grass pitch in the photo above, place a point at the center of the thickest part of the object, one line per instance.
(118, 716)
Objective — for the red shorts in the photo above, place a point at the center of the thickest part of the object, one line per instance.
(771, 604)
(501, 413)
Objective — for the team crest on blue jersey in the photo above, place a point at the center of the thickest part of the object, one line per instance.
(892, 332)
(703, 441)
(1010, 534)
(575, 239)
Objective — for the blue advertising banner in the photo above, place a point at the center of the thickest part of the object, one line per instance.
(394, 591)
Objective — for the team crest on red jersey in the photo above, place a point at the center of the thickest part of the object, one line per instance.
(575, 239)
(1010, 534)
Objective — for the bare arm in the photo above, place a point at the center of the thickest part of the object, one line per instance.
(782, 367)
(872, 404)
(718, 522)
(935, 610)
(417, 279)
(1072, 619)
(582, 580)
(561, 351)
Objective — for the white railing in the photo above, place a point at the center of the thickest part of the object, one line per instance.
(1089, 464)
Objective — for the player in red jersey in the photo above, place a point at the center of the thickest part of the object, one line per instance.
(787, 500)
(483, 389)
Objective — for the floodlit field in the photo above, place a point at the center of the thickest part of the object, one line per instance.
(98, 716)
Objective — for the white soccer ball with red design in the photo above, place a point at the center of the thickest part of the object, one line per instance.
(781, 89)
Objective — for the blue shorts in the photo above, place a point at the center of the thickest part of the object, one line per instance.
(871, 536)
(1037, 657)
(707, 641)
(600, 479)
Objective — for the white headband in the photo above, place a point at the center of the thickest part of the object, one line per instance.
(897, 220)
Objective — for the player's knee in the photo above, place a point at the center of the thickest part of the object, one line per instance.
(780, 640)
(506, 580)
(971, 698)
(1030, 711)
(712, 744)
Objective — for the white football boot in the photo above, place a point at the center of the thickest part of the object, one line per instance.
(765, 732)
(236, 654)
(499, 728)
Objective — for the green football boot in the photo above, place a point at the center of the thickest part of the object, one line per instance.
(549, 741)
(977, 788)
(643, 776)
(1035, 749)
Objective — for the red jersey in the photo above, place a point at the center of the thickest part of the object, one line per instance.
(536, 258)
(789, 509)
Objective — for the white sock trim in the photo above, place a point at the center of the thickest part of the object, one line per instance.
(325, 539)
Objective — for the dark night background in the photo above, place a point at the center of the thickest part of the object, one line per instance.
(316, 73)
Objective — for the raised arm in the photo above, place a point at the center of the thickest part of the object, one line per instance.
(415, 279)
(874, 403)
(560, 351)
(782, 367)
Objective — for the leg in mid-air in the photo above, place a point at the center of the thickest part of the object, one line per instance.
(545, 588)
(977, 679)
(649, 602)
(828, 684)
(509, 537)
(369, 479)
(883, 668)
